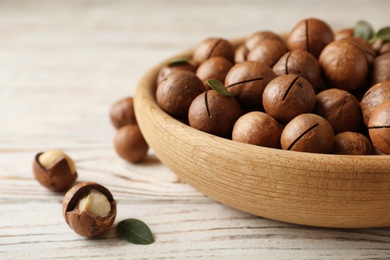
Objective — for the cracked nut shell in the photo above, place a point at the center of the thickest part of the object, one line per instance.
(308, 133)
(311, 35)
(86, 223)
(379, 128)
(247, 81)
(288, 96)
(213, 113)
(302, 63)
(57, 178)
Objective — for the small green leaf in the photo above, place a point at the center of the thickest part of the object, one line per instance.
(363, 30)
(179, 61)
(134, 231)
(383, 34)
(219, 87)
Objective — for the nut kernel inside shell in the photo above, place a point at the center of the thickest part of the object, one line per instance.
(50, 158)
(86, 223)
(95, 202)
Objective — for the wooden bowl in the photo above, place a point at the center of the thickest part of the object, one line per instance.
(303, 188)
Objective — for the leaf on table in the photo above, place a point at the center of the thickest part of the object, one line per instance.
(135, 231)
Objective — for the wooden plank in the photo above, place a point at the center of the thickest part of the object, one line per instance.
(62, 65)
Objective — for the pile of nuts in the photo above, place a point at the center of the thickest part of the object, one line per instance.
(314, 91)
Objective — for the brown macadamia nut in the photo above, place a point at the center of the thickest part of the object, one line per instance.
(54, 170)
(340, 108)
(213, 68)
(381, 47)
(122, 113)
(130, 144)
(352, 143)
(247, 80)
(257, 128)
(89, 209)
(214, 113)
(380, 70)
(375, 96)
(343, 34)
(308, 133)
(268, 52)
(365, 47)
(176, 93)
(258, 37)
(311, 35)
(175, 65)
(385, 48)
(240, 54)
(344, 65)
(379, 127)
(288, 96)
(213, 47)
(302, 63)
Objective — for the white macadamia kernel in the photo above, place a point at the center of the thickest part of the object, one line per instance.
(49, 158)
(95, 202)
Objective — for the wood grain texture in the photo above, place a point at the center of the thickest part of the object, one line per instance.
(63, 63)
(302, 188)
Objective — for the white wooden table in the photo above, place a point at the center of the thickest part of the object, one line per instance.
(63, 63)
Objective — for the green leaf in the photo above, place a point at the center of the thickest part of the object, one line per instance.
(384, 34)
(179, 61)
(134, 231)
(219, 87)
(363, 30)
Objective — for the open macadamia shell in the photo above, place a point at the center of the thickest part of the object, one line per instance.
(57, 178)
(86, 223)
